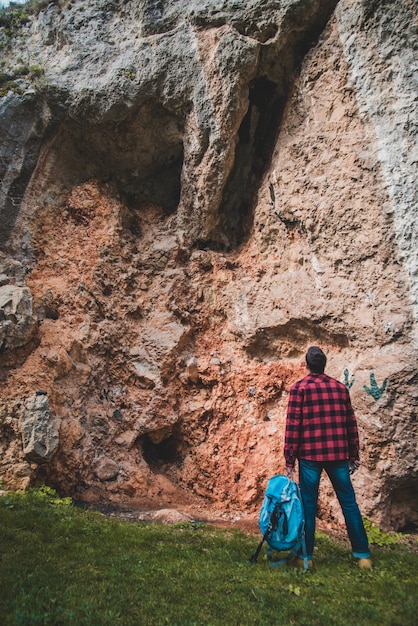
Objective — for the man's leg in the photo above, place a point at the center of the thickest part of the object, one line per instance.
(309, 475)
(339, 475)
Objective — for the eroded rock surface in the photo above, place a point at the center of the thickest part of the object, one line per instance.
(194, 194)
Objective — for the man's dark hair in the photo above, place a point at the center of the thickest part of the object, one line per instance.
(316, 360)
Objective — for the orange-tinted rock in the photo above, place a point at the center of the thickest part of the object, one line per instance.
(182, 238)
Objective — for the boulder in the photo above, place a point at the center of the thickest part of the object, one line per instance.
(40, 430)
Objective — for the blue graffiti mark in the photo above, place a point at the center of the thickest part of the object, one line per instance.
(348, 383)
(374, 390)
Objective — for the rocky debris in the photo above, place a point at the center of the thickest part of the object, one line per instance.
(195, 193)
(170, 516)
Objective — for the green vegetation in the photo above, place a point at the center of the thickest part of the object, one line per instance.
(378, 537)
(60, 565)
(8, 81)
(130, 74)
(12, 20)
(13, 17)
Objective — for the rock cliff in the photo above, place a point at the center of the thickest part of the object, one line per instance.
(192, 194)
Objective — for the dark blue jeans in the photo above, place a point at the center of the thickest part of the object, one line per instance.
(338, 472)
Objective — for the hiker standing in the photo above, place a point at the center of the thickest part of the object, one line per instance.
(321, 432)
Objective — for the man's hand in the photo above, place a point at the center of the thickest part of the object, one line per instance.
(353, 466)
(289, 471)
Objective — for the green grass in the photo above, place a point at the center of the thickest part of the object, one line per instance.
(62, 565)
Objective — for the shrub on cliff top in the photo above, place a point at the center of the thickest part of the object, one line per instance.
(15, 15)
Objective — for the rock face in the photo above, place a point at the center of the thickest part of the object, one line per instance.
(192, 194)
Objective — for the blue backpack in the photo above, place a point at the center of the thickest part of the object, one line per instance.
(282, 521)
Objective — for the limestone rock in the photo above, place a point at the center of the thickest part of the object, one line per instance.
(171, 516)
(147, 373)
(192, 369)
(106, 468)
(18, 323)
(40, 430)
(192, 194)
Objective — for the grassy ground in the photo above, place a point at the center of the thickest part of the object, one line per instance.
(62, 565)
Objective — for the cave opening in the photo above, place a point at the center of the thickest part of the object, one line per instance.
(158, 454)
(140, 152)
(403, 508)
(410, 528)
(256, 139)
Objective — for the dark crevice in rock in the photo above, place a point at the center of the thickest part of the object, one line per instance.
(31, 126)
(12, 204)
(162, 187)
(165, 452)
(257, 136)
(403, 507)
(268, 96)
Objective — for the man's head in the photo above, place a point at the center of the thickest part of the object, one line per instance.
(315, 360)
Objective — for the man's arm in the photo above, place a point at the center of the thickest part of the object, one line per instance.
(352, 432)
(291, 443)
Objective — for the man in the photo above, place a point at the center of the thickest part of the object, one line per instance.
(321, 432)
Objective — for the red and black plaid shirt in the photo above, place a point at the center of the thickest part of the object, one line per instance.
(321, 425)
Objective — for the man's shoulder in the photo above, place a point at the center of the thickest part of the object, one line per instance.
(308, 380)
(322, 380)
(297, 384)
(333, 382)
